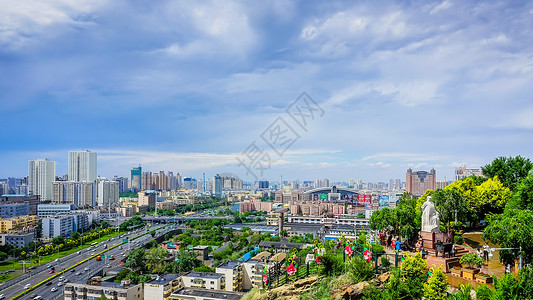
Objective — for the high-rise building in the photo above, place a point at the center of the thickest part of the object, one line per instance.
(122, 183)
(41, 174)
(136, 182)
(263, 184)
(325, 183)
(107, 193)
(146, 181)
(81, 194)
(217, 186)
(179, 184)
(462, 172)
(82, 165)
(417, 183)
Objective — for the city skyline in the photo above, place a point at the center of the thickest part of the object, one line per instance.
(187, 87)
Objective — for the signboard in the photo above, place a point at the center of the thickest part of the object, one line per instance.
(364, 198)
(384, 200)
(125, 240)
(324, 197)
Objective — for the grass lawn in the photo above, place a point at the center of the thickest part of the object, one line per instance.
(6, 277)
(8, 265)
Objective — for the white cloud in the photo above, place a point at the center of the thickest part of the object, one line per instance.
(440, 7)
(21, 20)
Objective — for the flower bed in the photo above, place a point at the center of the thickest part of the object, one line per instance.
(470, 273)
(456, 271)
(483, 278)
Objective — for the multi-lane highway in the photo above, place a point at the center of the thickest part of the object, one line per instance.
(82, 272)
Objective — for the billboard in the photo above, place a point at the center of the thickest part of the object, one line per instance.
(364, 198)
(384, 200)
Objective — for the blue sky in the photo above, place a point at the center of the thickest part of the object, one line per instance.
(188, 86)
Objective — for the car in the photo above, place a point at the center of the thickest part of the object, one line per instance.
(108, 266)
(61, 278)
(37, 297)
(60, 283)
(51, 271)
(27, 286)
(32, 267)
(78, 273)
(2, 296)
(49, 282)
(78, 252)
(73, 270)
(66, 280)
(57, 259)
(86, 269)
(53, 289)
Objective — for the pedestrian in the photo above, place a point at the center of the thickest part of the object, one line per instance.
(398, 246)
(389, 239)
(486, 249)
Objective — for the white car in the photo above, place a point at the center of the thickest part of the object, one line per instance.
(53, 289)
(60, 283)
(86, 269)
(2, 296)
(27, 286)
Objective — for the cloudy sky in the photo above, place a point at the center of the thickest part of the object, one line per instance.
(190, 86)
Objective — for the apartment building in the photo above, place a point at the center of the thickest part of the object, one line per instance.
(233, 272)
(162, 287)
(99, 289)
(204, 280)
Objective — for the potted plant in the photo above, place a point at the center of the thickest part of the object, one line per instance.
(457, 271)
(483, 278)
(473, 261)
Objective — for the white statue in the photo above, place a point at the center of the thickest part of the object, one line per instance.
(430, 217)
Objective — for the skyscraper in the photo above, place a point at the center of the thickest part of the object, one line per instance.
(217, 186)
(82, 166)
(136, 179)
(41, 174)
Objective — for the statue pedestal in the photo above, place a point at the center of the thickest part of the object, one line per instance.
(428, 240)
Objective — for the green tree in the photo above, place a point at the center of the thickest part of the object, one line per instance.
(523, 196)
(450, 205)
(414, 274)
(483, 292)
(74, 235)
(512, 229)
(492, 197)
(204, 268)
(155, 260)
(135, 259)
(381, 219)
(58, 240)
(186, 262)
(3, 256)
(436, 287)
(510, 170)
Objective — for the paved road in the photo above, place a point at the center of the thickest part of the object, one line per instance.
(92, 265)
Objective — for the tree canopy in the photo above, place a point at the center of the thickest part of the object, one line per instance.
(510, 170)
(512, 229)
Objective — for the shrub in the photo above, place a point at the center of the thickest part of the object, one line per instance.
(458, 239)
(359, 269)
(471, 259)
(385, 262)
(483, 293)
(330, 265)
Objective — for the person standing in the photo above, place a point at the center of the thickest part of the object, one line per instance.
(486, 249)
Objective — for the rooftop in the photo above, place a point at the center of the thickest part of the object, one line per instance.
(209, 294)
(230, 264)
(162, 280)
(208, 275)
